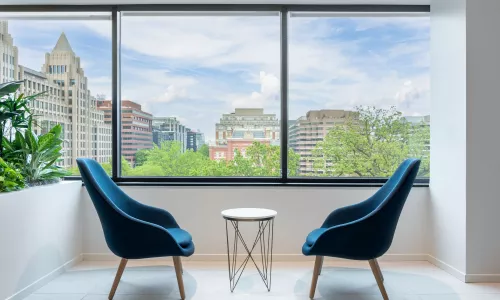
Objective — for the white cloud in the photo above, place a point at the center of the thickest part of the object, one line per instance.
(173, 92)
(267, 97)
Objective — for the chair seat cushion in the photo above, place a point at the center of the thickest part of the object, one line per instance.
(314, 235)
(182, 237)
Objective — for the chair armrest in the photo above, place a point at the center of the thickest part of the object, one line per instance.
(360, 239)
(154, 215)
(134, 238)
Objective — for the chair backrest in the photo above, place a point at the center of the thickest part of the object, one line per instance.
(388, 202)
(113, 206)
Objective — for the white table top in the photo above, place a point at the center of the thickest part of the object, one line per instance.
(249, 214)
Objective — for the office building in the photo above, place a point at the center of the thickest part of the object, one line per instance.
(308, 130)
(67, 99)
(137, 127)
(247, 119)
(195, 139)
(169, 129)
(238, 130)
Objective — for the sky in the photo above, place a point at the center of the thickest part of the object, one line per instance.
(197, 68)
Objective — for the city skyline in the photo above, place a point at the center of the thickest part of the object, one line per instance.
(328, 69)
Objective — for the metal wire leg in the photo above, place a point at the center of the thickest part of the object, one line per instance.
(265, 241)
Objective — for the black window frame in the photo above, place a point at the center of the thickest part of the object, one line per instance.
(283, 10)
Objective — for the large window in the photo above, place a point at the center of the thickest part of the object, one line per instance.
(48, 51)
(358, 94)
(200, 94)
(228, 93)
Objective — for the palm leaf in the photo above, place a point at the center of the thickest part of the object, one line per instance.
(9, 87)
(31, 141)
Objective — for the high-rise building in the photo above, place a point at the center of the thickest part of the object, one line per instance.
(195, 139)
(50, 109)
(247, 119)
(137, 127)
(89, 136)
(307, 131)
(239, 130)
(67, 99)
(169, 129)
(9, 63)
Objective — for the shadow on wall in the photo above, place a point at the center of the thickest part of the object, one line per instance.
(39, 266)
(360, 284)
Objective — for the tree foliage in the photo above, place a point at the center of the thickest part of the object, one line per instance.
(371, 143)
(260, 160)
(204, 150)
(169, 160)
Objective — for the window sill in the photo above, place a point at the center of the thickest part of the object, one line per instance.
(245, 182)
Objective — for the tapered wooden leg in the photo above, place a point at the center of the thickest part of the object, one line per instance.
(378, 277)
(314, 282)
(178, 273)
(118, 276)
(321, 265)
(379, 270)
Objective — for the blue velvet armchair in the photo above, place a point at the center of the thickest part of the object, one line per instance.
(363, 231)
(133, 230)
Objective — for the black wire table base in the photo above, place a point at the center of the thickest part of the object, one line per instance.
(264, 238)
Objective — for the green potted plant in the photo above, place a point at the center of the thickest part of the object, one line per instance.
(35, 156)
(26, 156)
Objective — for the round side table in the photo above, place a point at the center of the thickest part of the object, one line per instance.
(264, 237)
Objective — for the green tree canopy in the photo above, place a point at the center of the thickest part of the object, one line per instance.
(169, 160)
(371, 143)
(204, 150)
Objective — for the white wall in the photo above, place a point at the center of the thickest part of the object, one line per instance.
(483, 142)
(447, 209)
(40, 232)
(300, 210)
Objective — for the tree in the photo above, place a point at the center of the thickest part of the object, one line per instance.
(371, 143)
(263, 160)
(140, 157)
(204, 150)
(169, 160)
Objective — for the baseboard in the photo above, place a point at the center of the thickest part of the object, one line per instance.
(447, 268)
(276, 257)
(45, 279)
(482, 278)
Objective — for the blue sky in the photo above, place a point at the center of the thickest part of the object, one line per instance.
(197, 68)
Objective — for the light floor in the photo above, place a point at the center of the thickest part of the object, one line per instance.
(209, 280)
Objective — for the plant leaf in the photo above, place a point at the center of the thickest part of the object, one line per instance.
(9, 87)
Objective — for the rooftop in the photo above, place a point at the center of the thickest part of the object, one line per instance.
(34, 73)
(62, 44)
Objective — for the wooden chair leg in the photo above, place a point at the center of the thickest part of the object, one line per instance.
(380, 281)
(182, 268)
(321, 265)
(379, 270)
(314, 282)
(118, 276)
(178, 273)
